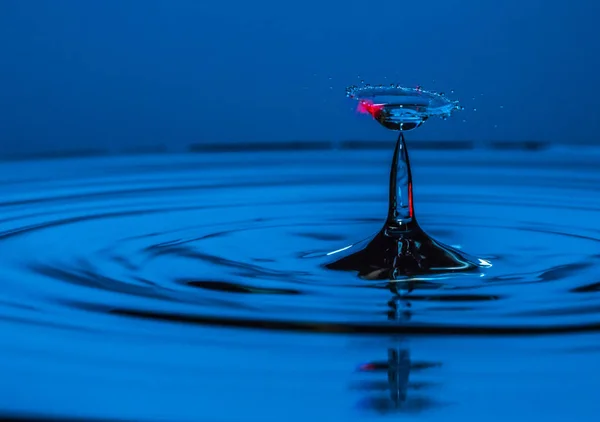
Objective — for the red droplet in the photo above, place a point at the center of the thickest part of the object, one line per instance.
(411, 211)
(368, 107)
(367, 367)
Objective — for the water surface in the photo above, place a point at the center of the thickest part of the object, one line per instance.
(192, 287)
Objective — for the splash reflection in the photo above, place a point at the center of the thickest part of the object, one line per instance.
(405, 389)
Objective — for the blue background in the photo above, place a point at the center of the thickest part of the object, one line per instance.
(123, 74)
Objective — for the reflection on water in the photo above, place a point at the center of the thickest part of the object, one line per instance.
(166, 286)
(403, 391)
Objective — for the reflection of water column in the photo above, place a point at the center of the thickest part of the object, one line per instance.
(398, 374)
(399, 363)
(400, 212)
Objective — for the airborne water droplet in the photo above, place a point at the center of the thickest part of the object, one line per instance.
(474, 109)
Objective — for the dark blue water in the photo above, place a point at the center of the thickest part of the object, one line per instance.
(192, 287)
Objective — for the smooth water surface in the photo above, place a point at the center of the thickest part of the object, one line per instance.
(193, 287)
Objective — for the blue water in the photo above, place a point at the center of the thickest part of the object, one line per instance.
(192, 287)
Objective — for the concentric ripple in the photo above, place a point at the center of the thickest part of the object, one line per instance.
(237, 239)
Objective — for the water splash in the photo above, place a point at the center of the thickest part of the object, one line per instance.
(402, 249)
(400, 108)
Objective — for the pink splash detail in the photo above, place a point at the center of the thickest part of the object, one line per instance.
(368, 107)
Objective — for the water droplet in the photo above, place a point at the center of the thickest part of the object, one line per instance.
(452, 92)
(495, 126)
(464, 120)
(474, 109)
(501, 106)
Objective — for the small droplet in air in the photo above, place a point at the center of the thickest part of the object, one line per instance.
(474, 109)
(501, 106)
